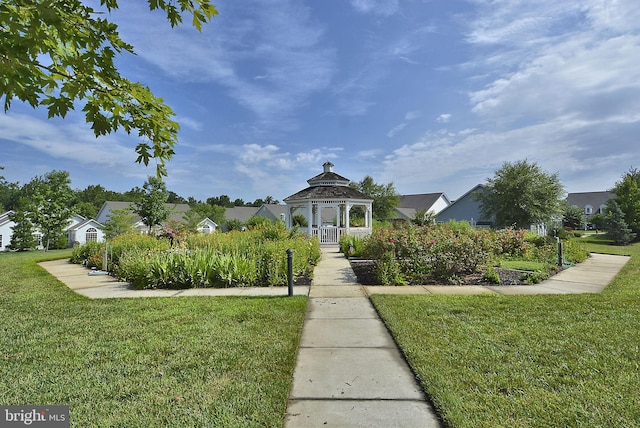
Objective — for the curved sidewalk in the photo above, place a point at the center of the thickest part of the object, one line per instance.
(78, 279)
(590, 276)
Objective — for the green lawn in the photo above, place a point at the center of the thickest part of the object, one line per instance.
(527, 361)
(187, 362)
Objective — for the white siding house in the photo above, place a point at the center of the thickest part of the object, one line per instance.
(79, 230)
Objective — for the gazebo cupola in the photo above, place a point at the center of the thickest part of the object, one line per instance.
(326, 205)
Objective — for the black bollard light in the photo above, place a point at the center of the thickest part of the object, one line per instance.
(290, 270)
(559, 252)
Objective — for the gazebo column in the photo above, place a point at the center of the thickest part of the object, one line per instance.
(310, 218)
(347, 209)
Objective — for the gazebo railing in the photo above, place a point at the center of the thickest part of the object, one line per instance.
(331, 234)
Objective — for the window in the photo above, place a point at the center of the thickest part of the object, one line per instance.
(92, 235)
(206, 229)
(38, 237)
(588, 210)
(601, 209)
(0, 241)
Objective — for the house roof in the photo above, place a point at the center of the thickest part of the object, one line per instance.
(421, 201)
(4, 217)
(84, 223)
(275, 209)
(595, 199)
(454, 203)
(177, 211)
(405, 213)
(240, 213)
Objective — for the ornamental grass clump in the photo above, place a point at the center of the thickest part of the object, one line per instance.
(252, 258)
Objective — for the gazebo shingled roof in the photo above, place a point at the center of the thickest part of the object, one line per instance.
(327, 192)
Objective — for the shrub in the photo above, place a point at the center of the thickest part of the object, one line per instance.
(351, 246)
(436, 252)
(491, 275)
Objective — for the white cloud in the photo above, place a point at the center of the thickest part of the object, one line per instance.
(376, 7)
(269, 59)
(443, 118)
(74, 141)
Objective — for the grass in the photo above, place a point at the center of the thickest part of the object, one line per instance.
(524, 265)
(527, 361)
(196, 362)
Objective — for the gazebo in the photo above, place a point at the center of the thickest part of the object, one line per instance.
(326, 205)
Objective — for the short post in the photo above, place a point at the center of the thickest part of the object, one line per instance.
(559, 252)
(290, 270)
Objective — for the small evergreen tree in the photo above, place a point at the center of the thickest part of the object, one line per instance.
(49, 201)
(574, 217)
(22, 238)
(616, 226)
(118, 222)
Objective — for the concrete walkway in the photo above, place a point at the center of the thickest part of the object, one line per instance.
(77, 278)
(349, 372)
(590, 276)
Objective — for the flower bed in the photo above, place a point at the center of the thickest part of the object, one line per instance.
(251, 258)
(452, 253)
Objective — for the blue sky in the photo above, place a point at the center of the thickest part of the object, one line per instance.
(431, 95)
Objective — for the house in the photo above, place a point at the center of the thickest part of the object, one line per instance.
(177, 213)
(273, 212)
(79, 230)
(207, 226)
(466, 208)
(241, 214)
(82, 230)
(409, 205)
(6, 230)
(591, 202)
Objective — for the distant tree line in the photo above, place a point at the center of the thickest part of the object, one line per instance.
(47, 202)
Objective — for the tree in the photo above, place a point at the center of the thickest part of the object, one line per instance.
(424, 217)
(299, 220)
(151, 208)
(385, 198)
(118, 222)
(9, 194)
(627, 192)
(615, 224)
(598, 221)
(96, 195)
(49, 206)
(55, 53)
(521, 194)
(221, 201)
(85, 209)
(22, 238)
(214, 213)
(574, 217)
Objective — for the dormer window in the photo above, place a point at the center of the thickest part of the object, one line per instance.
(588, 210)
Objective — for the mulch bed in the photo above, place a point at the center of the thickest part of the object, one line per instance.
(365, 271)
